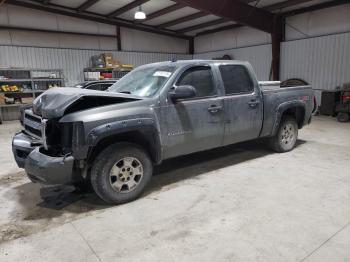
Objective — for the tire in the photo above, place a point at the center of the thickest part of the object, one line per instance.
(343, 117)
(121, 172)
(286, 136)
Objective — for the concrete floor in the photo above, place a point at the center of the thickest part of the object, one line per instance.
(240, 203)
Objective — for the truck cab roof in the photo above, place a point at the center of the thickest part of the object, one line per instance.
(180, 63)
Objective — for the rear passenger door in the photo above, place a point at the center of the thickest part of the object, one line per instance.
(242, 103)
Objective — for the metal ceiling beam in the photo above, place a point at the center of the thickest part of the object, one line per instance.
(191, 46)
(222, 28)
(119, 38)
(93, 17)
(235, 10)
(127, 7)
(316, 7)
(201, 14)
(87, 4)
(16, 28)
(203, 25)
(247, 1)
(183, 19)
(277, 36)
(272, 7)
(163, 11)
(284, 4)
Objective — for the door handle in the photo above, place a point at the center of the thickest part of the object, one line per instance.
(253, 103)
(214, 109)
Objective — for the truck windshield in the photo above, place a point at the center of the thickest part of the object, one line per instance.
(143, 82)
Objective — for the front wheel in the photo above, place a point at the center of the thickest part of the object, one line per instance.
(286, 136)
(121, 172)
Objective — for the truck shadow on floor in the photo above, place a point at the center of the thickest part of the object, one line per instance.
(165, 176)
(193, 165)
(27, 217)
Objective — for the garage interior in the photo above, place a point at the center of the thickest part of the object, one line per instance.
(242, 202)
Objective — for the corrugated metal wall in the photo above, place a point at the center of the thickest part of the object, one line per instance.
(72, 61)
(258, 56)
(131, 40)
(322, 61)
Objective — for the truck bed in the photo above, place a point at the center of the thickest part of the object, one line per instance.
(274, 97)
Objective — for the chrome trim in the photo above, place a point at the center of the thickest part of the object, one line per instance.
(43, 133)
(31, 123)
(31, 134)
(39, 125)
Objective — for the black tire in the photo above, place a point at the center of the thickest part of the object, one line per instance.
(286, 136)
(102, 175)
(343, 117)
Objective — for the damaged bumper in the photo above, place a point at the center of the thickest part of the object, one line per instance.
(39, 166)
(22, 145)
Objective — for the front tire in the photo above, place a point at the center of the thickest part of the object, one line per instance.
(121, 172)
(286, 136)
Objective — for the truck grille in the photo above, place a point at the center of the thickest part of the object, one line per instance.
(32, 124)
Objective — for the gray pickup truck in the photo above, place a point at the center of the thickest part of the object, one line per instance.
(158, 111)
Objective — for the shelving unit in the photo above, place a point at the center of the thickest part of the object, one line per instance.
(95, 73)
(30, 82)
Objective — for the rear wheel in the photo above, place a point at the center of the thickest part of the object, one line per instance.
(286, 136)
(121, 172)
(343, 117)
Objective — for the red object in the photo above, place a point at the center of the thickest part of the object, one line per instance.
(107, 75)
(346, 98)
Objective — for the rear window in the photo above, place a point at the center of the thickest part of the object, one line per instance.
(236, 79)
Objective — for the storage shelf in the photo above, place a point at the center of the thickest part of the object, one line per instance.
(15, 80)
(30, 80)
(33, 82)
(13, 105)
(27, 69)
(23, 92)
(47, 79)
(92, 69)
(102, 79)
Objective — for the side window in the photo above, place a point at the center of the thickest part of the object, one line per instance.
(201, 78)
(236, 79)
(104, 87)
(94, 87)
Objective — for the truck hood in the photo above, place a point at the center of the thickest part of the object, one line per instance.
(59, 101)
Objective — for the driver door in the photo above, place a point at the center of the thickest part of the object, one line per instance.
(195, 124)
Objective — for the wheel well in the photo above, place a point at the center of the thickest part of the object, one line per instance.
(134, 137)
(297, 112)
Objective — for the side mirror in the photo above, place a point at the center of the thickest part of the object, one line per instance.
(182, 92)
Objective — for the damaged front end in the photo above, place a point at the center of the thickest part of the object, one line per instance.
(44, 149)
(54, 152)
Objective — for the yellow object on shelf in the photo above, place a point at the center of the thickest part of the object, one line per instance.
(7, 88)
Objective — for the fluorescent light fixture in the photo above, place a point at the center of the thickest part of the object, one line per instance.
(139, 14)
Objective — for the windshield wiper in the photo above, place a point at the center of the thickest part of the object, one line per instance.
(125, 92)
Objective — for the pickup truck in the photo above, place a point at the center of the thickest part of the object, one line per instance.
(158, 111)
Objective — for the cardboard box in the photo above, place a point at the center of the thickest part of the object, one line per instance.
(2, 99)
(27, 100)
(127, 66)
(108, 55)
(108, 59)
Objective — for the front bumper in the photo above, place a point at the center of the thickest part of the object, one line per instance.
(22, 145)
(39, 166)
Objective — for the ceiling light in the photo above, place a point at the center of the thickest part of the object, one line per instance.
(139, 14)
